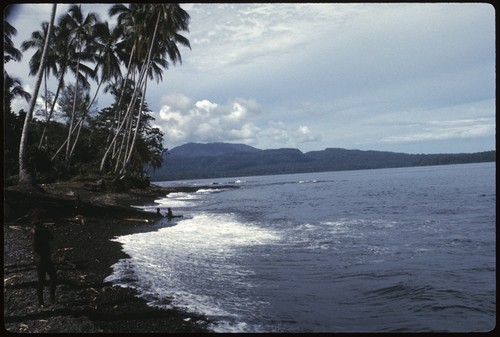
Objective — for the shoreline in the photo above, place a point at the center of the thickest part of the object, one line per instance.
(83, 221)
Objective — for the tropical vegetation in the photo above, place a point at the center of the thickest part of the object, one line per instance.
(63, 135)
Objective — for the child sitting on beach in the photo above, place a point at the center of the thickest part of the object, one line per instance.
(170, 215)
(158, 214)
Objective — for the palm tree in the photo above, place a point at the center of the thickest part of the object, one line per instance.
(170, 18)
(108, 64)
(10, 52)
(37, 42)
(12, 86)
(152, 33)
(129, 23)
(79, 29)
(25, 176)
(107, 55)
(104, 46)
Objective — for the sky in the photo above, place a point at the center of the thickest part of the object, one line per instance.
(407, 77)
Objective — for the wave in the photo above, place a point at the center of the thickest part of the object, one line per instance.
(208, 190)
(194, 266)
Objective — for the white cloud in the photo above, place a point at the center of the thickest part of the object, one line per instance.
(176, 101)
(446, 130)
(304, 134)
(242, 34)
(238, 112)
(205, 105)
(237, 121)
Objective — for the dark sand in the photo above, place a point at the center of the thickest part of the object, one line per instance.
(83, 255)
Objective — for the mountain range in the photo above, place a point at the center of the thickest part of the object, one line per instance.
(218, 160)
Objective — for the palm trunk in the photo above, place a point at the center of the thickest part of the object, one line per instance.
(145, 79)
(73, 112)
(120, 127)
(46, 111)
(56, 96)
(127, 119)
(126, 135)
(82, 120)
(124, 141)
(127, 160)
(111, 145)
(25, 176)
(122, 92)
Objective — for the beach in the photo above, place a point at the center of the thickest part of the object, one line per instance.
(83, 218)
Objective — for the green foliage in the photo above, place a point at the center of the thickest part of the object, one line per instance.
(86, 143)
(88, 151)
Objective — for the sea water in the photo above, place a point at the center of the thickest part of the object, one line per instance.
(388, 250)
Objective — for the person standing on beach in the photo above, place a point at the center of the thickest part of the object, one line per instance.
(42, 240)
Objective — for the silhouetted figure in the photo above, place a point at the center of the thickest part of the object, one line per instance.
(42, 240)
(170, 215)
(158, 214)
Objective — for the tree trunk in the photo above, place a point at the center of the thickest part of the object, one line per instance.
(127, 157)
(56, 96)
(111, 145)
(82, 120)
(125, 163)
(25, 176)
(73, 112)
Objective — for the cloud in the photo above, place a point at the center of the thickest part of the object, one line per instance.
(455, 122)
(446, 130)
(243, 34)
(238, 121)
(324, 75)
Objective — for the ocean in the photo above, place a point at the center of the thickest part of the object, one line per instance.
(387, 250)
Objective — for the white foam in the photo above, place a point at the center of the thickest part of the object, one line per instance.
(208, 190)
(179, 266)
(307, 181)
(232, 327)
(181, 196)
(340, 226)
(172, 202)
(183, 199)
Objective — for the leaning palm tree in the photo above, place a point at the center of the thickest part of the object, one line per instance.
(107, 65)
(101, 48)
(106, 55)
(25, 176)
(79, 28)
(129, 22)
(37, 42)
(152, 34)
(170, 18)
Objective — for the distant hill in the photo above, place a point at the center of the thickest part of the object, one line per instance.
(217, 160)
(210, 149)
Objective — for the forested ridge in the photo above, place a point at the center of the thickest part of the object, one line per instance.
(215, 160)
